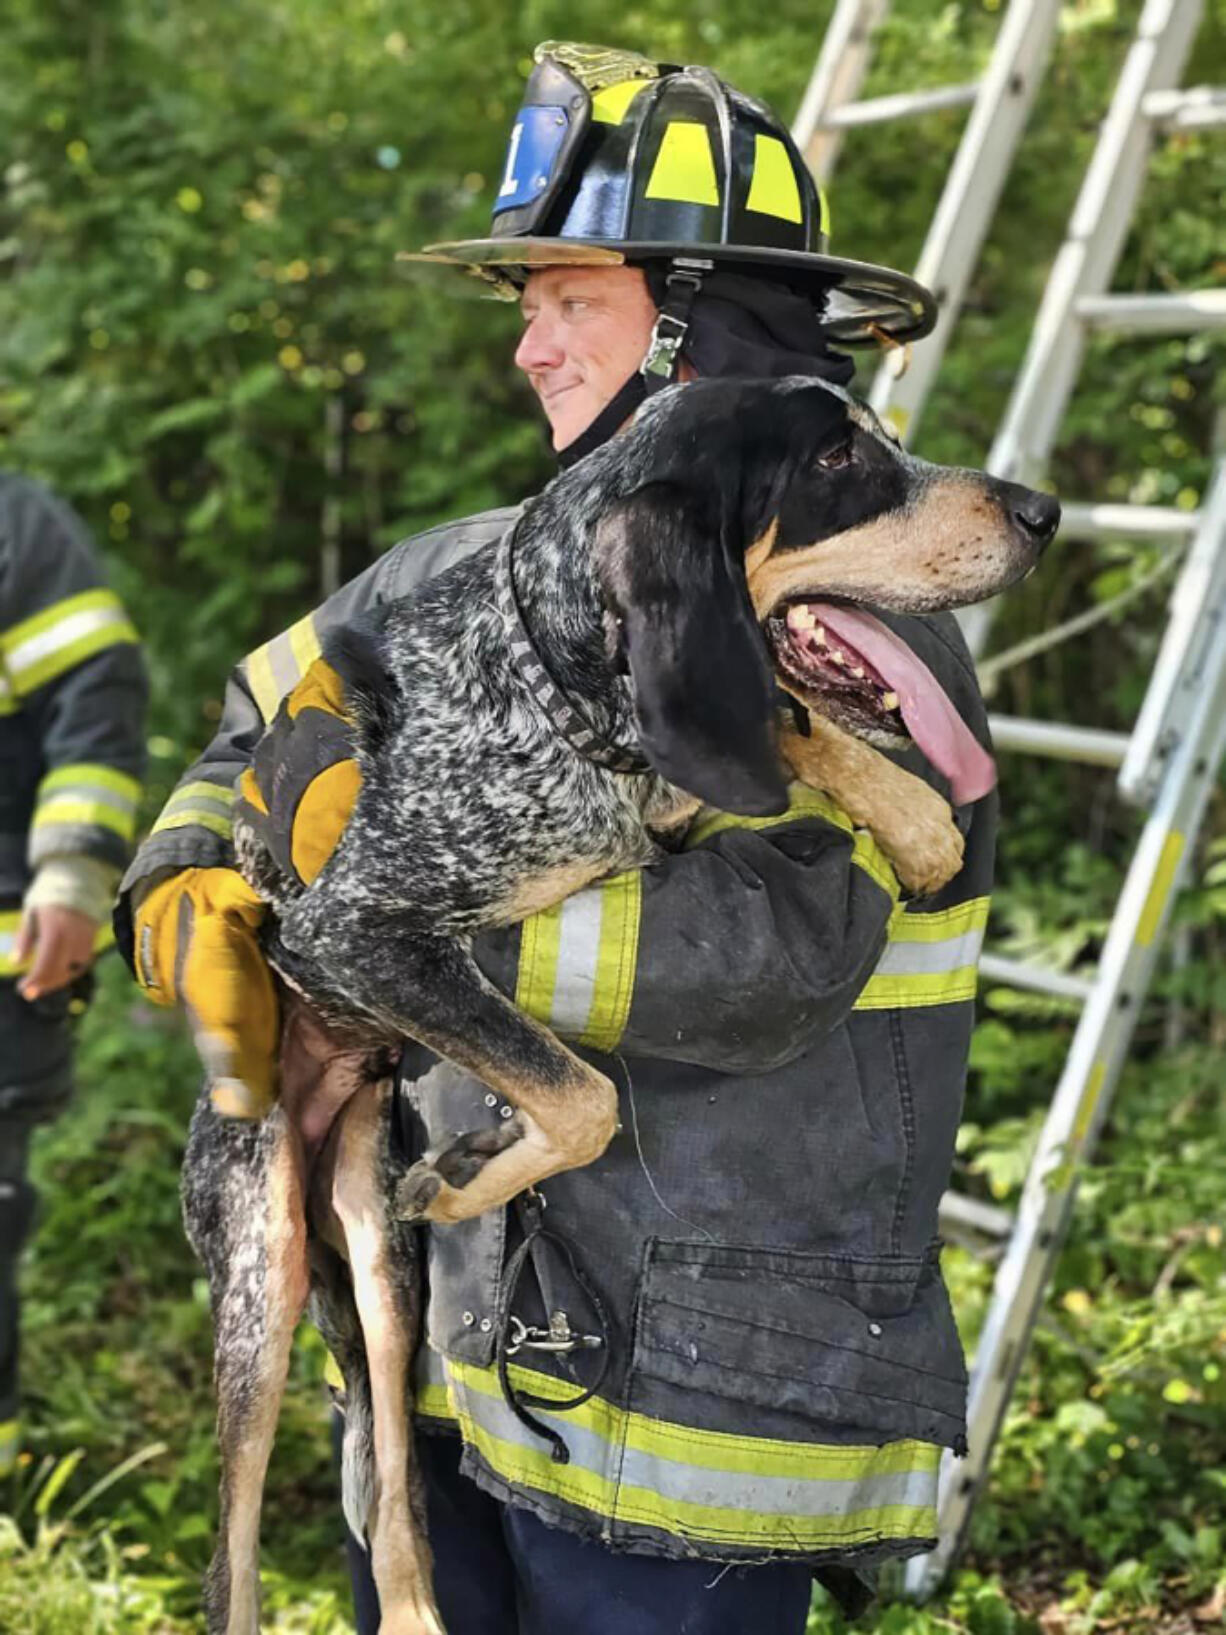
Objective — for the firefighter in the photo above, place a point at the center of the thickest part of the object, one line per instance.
(72, 707)
(770, 1369)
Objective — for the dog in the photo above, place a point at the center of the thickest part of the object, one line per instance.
(544, 713)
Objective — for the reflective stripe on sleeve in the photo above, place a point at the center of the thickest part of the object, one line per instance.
(200, 802)
(804, 802)
(276, 668)
(577, 961)
(85, 795)
(709, 1486)
(930, 958)
(9, 922)
(10, 1442)
(43, 647)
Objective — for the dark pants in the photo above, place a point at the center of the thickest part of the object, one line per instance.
(500, 1571)
(35, 1085)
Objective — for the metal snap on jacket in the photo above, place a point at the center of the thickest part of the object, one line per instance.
(491, 1100)
(468, 1319)
(486, 1325)
(875, 1330)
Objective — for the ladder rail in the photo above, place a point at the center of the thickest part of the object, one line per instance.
(1097, 230)
(969, 199)
(837, 75)
(1100, 1046)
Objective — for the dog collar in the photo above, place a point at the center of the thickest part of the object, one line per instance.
(564, 717)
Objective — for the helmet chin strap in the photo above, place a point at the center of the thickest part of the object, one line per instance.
(660, 362)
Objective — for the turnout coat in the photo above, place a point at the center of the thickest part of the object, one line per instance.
(72, 700)
(757, 1251)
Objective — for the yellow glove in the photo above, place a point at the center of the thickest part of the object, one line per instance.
(197, 945)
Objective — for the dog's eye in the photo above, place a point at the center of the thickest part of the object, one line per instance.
(836, 458)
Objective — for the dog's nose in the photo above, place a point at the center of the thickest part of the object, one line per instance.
(1037, 515)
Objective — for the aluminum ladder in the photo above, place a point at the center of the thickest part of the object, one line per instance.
(1001, 102)
(1167, 764)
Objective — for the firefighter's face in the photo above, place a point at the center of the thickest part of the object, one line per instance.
(586, 330)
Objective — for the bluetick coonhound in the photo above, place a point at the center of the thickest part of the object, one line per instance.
(542, 714)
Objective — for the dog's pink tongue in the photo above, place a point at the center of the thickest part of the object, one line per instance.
(931, 719)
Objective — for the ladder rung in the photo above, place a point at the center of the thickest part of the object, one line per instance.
(1156, 522)
(904, 105)
(957, 1210)
(1180, 314)
(1088, 744)
(1016, 973)
(1192, 109)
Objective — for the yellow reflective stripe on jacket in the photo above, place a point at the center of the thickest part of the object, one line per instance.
(276, 668)
(87, 793)
(930, 959)
(804, 802)
(709, 1486)
(199, 802)
(577, 961)
(10, 1442)
(43, 647)
(9, 921)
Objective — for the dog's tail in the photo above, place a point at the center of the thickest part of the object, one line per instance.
(335, 1314)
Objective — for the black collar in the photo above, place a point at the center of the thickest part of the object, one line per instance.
(566, 719)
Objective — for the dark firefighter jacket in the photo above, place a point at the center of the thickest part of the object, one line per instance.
(758, 1246)
(72, 699)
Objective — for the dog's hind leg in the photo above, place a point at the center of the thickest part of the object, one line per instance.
(353, 1176)
(428, 987)
(243, 1205)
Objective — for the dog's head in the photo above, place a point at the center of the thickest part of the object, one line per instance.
(752, 522)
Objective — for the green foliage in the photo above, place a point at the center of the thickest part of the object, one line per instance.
(206, 344)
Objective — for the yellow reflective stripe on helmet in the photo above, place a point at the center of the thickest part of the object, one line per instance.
(804, 802)
(685, 166)
(577, 961)
(87, 793)
(276, 668)
(774, 190)
(609, 106)
(930, 959)
(200, 802)
(62, 636)
(710, 1486)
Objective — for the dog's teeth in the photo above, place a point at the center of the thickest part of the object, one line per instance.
(838, 656)
(857, 672)
(801, 617)
(819, 635)
(889, 701)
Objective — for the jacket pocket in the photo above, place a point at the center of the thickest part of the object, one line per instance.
(867, 1345)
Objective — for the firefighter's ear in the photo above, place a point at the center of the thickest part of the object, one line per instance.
(673, 572)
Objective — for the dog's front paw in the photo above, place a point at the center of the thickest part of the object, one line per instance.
(929, 855)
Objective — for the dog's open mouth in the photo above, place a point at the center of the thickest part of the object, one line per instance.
(852, 668)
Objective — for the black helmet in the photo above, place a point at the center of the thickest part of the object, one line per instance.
(614, 158)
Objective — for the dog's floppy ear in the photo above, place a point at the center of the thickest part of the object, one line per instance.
(672, 568)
